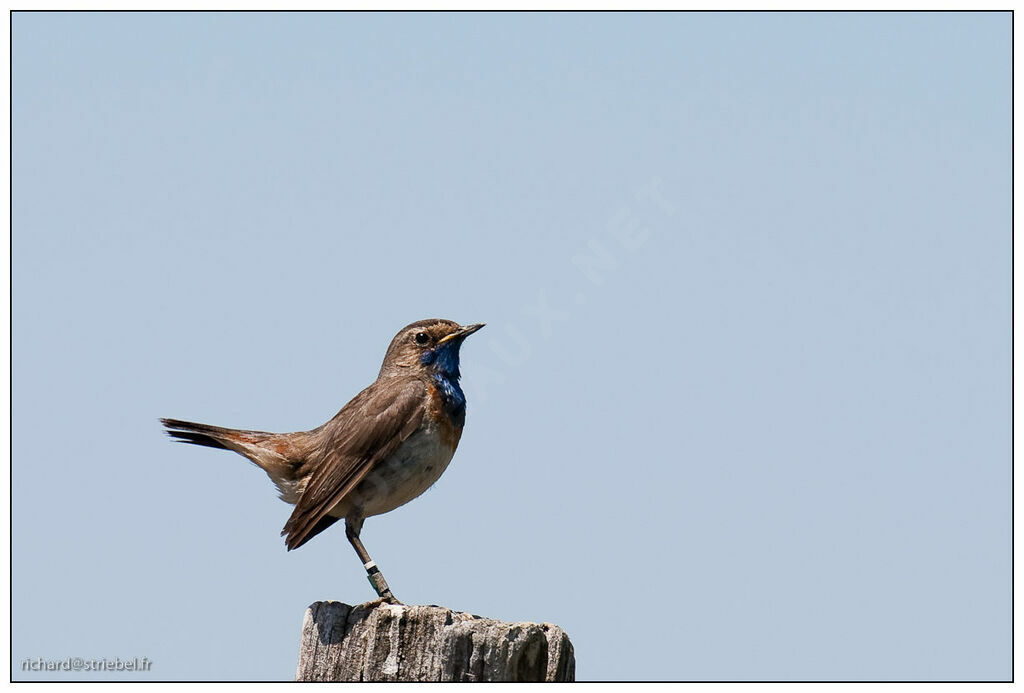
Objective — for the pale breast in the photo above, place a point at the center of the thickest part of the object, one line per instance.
(393, 482)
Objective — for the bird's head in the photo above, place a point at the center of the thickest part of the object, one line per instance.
(428, 344)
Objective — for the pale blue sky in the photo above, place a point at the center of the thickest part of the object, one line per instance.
(745, 384)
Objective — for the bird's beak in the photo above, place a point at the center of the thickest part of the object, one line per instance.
(461, 333)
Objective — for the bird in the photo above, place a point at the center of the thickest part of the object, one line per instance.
(387, 446)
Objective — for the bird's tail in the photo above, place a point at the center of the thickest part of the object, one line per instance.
(278, 454)
(200, 434)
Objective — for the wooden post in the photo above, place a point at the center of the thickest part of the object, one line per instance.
(384, 642)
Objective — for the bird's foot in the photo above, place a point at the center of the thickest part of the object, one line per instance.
(391, 599)
(380, 601)
(380, 586)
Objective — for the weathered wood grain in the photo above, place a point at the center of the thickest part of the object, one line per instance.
(384, 642)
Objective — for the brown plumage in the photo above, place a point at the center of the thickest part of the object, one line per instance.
(381, 450)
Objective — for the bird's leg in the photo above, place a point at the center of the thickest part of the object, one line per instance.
(352, 528)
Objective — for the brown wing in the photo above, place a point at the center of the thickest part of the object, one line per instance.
(368, 429)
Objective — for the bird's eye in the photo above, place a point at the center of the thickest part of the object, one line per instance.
(422, 338)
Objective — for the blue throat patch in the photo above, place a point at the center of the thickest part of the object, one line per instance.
(445, 362)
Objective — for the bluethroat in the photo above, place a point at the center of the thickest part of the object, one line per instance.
(384, 448)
